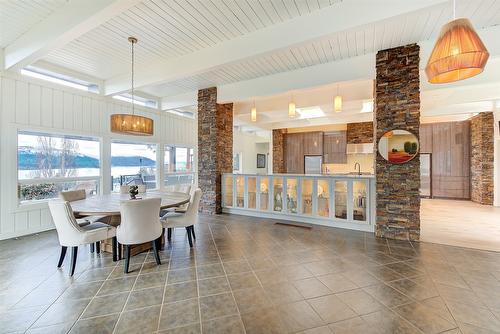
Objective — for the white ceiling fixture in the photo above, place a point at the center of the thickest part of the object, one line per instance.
(291, 107)
(367, 106)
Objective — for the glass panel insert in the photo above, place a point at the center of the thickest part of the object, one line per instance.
(278, 194)
(359, 200)
(264, 193)
(252, 195)
(291, 195)
(307, 187)
(240, 191)
(228, 191)
(323, 198)
(341, 199)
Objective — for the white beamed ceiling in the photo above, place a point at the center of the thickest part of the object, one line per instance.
(167, 29)
(18, 16)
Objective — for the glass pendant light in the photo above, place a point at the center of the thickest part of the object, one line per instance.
(337, 102)
(291, 108)
(253, 113)
(132, 124)
(458, 54)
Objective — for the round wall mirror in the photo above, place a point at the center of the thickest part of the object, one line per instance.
(398, 146)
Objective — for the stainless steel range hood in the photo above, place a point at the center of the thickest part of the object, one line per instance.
(364, 148)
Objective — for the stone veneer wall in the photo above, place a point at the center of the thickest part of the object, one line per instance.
(397, 106)
(359, 133)
(482, 138)
(279, 150)
(215, 148)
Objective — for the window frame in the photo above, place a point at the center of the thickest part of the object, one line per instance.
(58, 134)
(191, 173)
(115, 140)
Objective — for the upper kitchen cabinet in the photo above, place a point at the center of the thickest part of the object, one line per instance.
(294, 153)
(313, 143)
(334, 147)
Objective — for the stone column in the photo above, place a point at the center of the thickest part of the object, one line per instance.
(215, 148)
(397, 106)
(279, 151)
(481, 167)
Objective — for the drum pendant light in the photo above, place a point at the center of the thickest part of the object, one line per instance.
(458, 54)
(132, 124)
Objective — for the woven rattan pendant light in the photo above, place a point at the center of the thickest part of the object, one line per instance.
(132, 124)
(458, 54)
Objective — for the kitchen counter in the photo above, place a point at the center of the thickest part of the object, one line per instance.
(334, 175)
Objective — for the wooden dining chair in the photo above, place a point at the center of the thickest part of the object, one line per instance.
(139, 224)
(71, 234)
(187, 219)
(77, 195)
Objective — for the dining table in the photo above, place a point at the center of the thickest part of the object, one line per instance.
(108, 206)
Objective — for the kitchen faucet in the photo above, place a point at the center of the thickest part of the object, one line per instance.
(359, 167)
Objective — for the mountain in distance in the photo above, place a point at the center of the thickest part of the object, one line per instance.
(27, 159)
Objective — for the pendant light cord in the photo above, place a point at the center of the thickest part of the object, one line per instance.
(454, 10)
(132, 42)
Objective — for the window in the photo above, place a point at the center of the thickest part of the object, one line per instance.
(139, 100)
(178, 165)
(58, 78)
(48, 164)
(133, 163)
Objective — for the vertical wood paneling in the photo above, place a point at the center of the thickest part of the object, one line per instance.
(77, 113)
(26, 104)
(68, 111)
(58, 109)
(47, 107)
(22, 108)
(34, 104)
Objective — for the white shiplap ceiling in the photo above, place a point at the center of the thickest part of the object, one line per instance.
(404, 29)
(172, 28)
(18, 16)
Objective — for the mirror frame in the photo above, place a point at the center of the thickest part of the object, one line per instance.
(399, 163)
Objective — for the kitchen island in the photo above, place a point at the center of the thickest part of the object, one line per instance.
(337, 200)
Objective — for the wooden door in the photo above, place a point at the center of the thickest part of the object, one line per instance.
(313, 143)
(294, 153)
(334, 147)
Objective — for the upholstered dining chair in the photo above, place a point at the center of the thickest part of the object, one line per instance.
(139, 224)
(76, 195)
(72, 235)
(187, 219)
(183, 188)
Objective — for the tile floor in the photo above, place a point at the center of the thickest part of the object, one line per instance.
(248, 275)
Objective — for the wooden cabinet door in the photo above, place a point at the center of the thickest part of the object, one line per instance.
(334, 147)
(426, 138)
(294, 153)
(313, 143)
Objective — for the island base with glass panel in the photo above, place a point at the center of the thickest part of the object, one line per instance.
(344, 201)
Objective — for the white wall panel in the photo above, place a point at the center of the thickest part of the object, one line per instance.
(30, 104)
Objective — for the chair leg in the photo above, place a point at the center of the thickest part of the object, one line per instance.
(61, 257)
(92, 247)
(169, 234)
(115, 248)
(127, 258)
(98, 247)
(74, 253)
(158, 241)
(192, 232)
(188, 230)
(155, 251)
(119, 247)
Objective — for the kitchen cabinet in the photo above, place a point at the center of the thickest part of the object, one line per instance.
(294, 153)
(312, 143)
(449, 144)
(334, 147)
(425, 138)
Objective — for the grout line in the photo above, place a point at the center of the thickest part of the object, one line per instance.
(130, 292)
(225, 273)
(166, 280)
